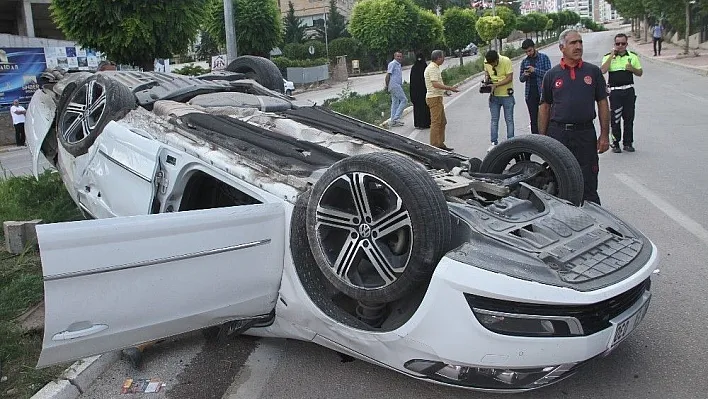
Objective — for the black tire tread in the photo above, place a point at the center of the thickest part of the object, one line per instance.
(563, 163)
(267, 73)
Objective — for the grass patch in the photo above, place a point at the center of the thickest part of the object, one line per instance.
(373, 108)
(21, 285)
(27, 198)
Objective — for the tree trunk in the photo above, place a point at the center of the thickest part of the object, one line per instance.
(646, 29)
(688, 26)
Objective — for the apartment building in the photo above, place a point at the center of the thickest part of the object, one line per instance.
(543, 6)
(584, 8)
(312, 12)
(28, 18)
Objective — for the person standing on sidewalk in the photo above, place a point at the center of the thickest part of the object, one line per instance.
(657, 34)
(533, 67)
(18, 120)
(394, 85)
(434, 98)
(421, 112)
(622, 66)
(570, 91)
(500, 72)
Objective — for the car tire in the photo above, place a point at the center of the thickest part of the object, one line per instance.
(562, 175)
(377, 225)
(260, 69)
(106, 100)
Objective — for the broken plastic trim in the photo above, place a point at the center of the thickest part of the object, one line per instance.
(493, 379)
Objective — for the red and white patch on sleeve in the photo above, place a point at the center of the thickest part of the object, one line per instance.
(558, 84)
(588, 80)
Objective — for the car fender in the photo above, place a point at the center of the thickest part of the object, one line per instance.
(39, 120)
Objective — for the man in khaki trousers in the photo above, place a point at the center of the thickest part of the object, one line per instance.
(434, 98)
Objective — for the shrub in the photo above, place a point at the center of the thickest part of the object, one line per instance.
(345, 46)
(295, 51)
(320, 49)
(191, 70)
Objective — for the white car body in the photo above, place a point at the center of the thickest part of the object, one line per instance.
(133, 275)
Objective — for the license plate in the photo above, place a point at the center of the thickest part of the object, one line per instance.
(625, 327)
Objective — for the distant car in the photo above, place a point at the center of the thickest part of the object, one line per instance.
(470, 49)
(289, 87)
(218, 202)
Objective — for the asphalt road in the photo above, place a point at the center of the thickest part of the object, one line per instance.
(660, 189)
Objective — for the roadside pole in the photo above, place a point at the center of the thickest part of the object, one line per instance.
(231, 48)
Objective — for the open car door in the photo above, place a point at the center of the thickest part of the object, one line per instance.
(118, 282)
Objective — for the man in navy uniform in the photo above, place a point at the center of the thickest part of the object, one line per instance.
(622, 66)
(570, 91)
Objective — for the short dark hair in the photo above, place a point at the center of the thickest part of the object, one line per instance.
(491, 56)
(621, 35)
(527, 43)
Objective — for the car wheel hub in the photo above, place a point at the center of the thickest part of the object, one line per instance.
(83, 112)
(365, 231)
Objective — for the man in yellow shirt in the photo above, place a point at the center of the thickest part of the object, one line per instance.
(500, 73)
(434, 98)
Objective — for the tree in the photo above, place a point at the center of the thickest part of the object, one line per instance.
(130, 31)
(509, 18)
(336, 24)
(294, 28)
(538, 21)
(258, 25)
(207, 47)
(525, 23)
(460, 30)
(489, 28)
(428, 33)
(383, 26)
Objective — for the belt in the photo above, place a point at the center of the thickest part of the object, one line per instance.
(573, 126)
(625, 87)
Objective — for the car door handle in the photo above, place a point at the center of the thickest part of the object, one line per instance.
(66, 335)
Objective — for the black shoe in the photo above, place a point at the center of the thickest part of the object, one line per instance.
(628, 148)
(615, 148)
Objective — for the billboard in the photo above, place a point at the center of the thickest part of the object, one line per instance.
(19, 69)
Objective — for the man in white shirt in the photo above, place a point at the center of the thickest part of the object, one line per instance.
(18, 119)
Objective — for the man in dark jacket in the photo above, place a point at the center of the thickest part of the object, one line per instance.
(533, 67)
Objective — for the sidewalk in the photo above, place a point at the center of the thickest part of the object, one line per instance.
(672, 54)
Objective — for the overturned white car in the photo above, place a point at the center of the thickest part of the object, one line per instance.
(220, 202)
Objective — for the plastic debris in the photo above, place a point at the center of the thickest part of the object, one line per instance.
(141, 385)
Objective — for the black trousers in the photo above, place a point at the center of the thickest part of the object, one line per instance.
(657, 41)
(583, 144)
(532, 103)
(622, 103)
(20, 134)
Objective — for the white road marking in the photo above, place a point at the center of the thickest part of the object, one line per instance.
(257, 370)
(671, 211)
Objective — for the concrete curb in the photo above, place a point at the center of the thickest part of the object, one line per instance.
(11, 148)
(699, 71)
(77, 377)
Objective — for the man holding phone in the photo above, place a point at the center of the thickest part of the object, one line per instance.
(622, 66)
(500, 73)
(533, 67)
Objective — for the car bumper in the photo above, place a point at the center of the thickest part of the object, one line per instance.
(459, 349)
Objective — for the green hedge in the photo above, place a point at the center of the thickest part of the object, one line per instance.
(191, 70)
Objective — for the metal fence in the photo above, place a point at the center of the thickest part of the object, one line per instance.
(308, 75)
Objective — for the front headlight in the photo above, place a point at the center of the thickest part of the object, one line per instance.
(528, 325)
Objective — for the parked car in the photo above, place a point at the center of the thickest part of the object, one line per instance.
(470, 49)
(218, 202)
(289, 87)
